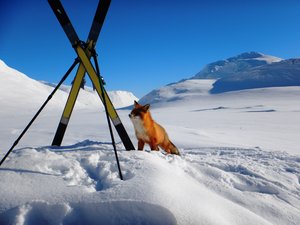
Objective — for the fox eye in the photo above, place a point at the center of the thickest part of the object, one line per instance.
(137, 114)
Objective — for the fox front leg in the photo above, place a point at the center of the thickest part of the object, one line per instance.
(141, 145)
(154, 147)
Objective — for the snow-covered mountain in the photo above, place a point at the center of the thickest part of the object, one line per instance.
(227, 67)
(251, 70)
(17, 88)
(277, 74)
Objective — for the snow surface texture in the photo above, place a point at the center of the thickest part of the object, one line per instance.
(240, 161)
(79, 184)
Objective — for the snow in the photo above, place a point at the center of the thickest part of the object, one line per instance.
(79, 184)
(256, 56)
(269, 59)
(240, 160)
(178, 91)
(247, 118)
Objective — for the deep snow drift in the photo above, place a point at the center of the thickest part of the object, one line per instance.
(240, 162)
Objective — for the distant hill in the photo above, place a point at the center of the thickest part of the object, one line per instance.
(90, 97)
(17, 89)
(184, 90)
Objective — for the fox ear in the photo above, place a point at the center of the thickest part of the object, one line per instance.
(146, 107)
(136, 104)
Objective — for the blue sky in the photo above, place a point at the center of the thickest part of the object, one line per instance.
(145, 44)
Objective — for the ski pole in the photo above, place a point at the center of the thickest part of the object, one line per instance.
(107, 115)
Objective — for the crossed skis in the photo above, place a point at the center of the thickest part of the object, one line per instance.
(84, 51)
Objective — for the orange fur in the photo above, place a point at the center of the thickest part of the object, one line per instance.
(150, 132)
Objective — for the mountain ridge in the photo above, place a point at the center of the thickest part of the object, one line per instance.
(222, 68)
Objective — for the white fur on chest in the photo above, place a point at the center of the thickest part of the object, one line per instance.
(140, 130)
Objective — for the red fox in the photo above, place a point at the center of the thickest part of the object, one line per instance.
(150, 132)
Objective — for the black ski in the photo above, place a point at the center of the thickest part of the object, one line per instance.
(64, 21)
(98, 21)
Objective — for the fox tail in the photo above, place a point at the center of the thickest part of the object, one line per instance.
(174, 149)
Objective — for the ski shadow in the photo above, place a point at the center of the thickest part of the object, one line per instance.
(210, 109)
(258, 111)
(86, 145)
(15, 170)
(238, 108)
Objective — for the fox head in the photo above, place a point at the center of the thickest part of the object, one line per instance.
(139, 111)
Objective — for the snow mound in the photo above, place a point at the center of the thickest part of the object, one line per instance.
(127, 212)
(79, 184)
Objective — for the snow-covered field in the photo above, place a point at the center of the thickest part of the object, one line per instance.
(240, 160)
